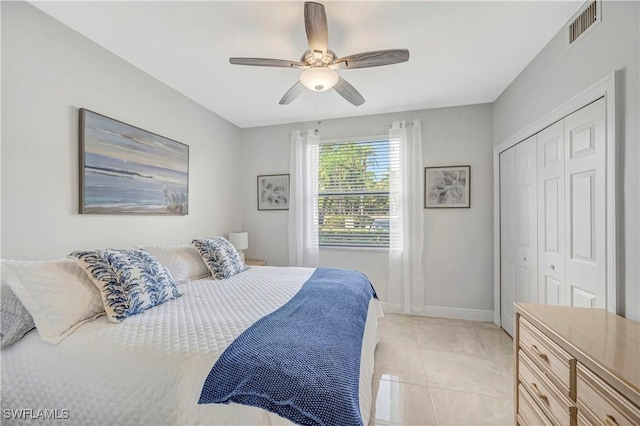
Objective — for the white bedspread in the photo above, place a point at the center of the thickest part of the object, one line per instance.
(150, 368)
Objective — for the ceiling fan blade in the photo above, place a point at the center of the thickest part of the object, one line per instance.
(315, 22)
(375, 58)
(348, 92)
(292, 93)
(265, 62)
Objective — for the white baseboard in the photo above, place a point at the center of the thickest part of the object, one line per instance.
(442, 312)
(389, 308)
(458, 313)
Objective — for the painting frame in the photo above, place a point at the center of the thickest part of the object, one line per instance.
(266, 200)
(103, 157)
(459, 198)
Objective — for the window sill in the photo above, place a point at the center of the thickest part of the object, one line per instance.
(356, 249)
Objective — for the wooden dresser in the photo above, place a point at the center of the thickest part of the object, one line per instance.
(576, 366)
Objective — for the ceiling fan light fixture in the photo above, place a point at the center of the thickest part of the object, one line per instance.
(319, 79)
(319, 62)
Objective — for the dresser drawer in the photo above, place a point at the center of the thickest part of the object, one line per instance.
(558, 407)
(520, 421)
(555, 363)
(582, 420)
(529, 411)
(603, 405)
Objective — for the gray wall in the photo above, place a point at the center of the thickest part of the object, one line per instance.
(48, 72)
(556, 75)
(458, 251)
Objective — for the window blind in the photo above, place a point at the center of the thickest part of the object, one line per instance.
(353, 192)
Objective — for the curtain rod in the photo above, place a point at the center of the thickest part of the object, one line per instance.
(315, 132)
(388, 126)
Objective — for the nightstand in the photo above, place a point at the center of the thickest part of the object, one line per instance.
(255, 262)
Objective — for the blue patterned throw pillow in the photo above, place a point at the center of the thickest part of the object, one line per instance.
(130, 281)
(220, 256)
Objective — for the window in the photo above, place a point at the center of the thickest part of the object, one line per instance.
(353, 193)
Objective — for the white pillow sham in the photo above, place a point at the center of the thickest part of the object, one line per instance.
(182, 260)
(58, 294)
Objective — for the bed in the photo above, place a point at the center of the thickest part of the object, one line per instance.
(150, 368)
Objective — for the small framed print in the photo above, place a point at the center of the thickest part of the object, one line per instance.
(273, 192)
(447, 187)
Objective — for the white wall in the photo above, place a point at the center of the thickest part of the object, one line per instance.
(48, 72)
(556, 75)
(458, 252)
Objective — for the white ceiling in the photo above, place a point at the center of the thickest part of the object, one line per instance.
(461, 52)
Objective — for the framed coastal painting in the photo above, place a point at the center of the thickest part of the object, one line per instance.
(127, 170)
(273, 192)
(447, 187)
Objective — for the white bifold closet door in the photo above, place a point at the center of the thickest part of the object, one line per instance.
(551, 218)
(527, 221)
(553, 204)
(508, 256)
(585, 206)
(518, 228)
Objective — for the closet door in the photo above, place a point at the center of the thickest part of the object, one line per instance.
(527, 223)
(585, 206)
(508, 264)
(551, 220)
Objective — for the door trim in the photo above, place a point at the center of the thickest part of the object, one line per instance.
(606, 88)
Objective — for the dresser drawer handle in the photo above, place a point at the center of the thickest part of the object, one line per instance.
(541, 395)
(536, 351)
(610, 421)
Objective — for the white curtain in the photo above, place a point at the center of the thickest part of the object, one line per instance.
(406, 286)
(303, 212)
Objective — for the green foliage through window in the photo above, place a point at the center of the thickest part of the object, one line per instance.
(353, 189)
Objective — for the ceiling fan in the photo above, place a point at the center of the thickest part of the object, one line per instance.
(319, 63)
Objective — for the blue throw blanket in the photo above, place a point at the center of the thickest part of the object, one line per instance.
(302, 361)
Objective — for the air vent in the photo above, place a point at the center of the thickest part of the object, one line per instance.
(586, 18)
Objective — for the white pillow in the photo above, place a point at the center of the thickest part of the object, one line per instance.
(182, 260)
(58, 294)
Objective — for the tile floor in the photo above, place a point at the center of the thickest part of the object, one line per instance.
(433, 371)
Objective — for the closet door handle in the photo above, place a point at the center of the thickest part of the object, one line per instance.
(524, 258)
(552, 267)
